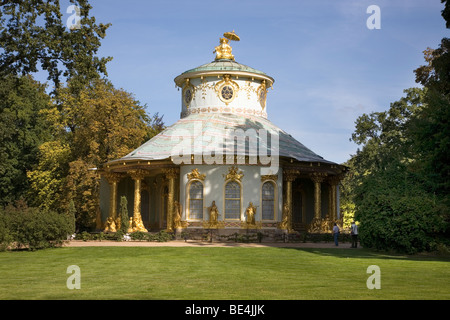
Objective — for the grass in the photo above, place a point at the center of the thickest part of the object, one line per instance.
(220, 273)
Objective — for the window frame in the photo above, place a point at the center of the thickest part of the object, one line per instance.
(188, 207)
(225, 200)
(275, 200)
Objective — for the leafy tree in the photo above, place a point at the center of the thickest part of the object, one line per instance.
(33, 36)
(392, 204)
(98, 124)
(104, 123)
(47, 179)
(22, 129)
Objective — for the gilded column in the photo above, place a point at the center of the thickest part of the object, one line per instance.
(113, 180)
(171, 175)
(317, 178)
(334, 182)
(137, 175)
(289, 177)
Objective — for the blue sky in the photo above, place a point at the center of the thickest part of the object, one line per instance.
(329, 68)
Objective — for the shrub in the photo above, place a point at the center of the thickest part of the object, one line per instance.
(33, 228)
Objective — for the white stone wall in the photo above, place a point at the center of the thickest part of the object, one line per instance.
(214, 189)
(206, 99)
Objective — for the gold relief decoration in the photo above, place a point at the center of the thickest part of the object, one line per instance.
(226, 89)
(138, 174)
(188, 93)
(233, 174)
(262, 94)
(318, 177)
(249, 89)
(195, 174)
(204, 86)
(112, 177)
(290, 174)
(171, 173)
(273, 177)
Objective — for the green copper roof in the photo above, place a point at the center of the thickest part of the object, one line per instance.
(225, 65)
(201, 130)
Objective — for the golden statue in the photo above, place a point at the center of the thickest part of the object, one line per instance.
(177, 215)
(285, 223)
(213, 214)
(250, 213)
(223, 51)
(130, 225)
(138, 225)
(110, 225)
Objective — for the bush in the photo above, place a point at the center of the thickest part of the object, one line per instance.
(33, 228)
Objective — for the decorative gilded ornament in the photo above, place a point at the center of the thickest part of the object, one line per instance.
(195, 174)
(262, 94)
(233, 174)
(226, 89)
(188, 93)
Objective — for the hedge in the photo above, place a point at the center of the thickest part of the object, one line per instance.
(33, 228)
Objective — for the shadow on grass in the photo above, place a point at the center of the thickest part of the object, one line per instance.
(364, 253)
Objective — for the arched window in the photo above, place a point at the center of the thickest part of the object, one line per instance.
(196, 200)
(268, 200)
(232, 200)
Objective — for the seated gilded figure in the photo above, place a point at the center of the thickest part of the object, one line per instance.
(223, 51)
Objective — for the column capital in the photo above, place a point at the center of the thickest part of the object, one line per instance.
(112, 177)
(290, 174)
(334, 180)
(137, 174)
(318, 177)
(172, 173)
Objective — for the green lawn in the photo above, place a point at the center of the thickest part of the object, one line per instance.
(220, 273)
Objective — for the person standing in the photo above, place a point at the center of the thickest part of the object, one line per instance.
(354, 233)
(335, 234)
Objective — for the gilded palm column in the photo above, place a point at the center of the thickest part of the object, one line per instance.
(333, 182)
(113, 180)
(317, 178)
(137, 175)
(289, 177)
(171, 175)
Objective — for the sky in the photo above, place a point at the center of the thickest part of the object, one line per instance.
(329, 67)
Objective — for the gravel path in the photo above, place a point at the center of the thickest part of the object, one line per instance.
(192, 243)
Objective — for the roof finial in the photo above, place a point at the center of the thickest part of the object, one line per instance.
(223, 51)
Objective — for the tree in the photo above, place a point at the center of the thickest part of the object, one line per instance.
(33, 36)
(22, 129)
(392, 204)
(98, 124)
(123, 215)
(103, 123)
(48, 177)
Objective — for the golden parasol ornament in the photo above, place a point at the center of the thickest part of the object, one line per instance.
(231, 36)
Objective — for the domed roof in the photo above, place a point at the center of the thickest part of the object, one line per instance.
(201, 130)
(224, 66)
